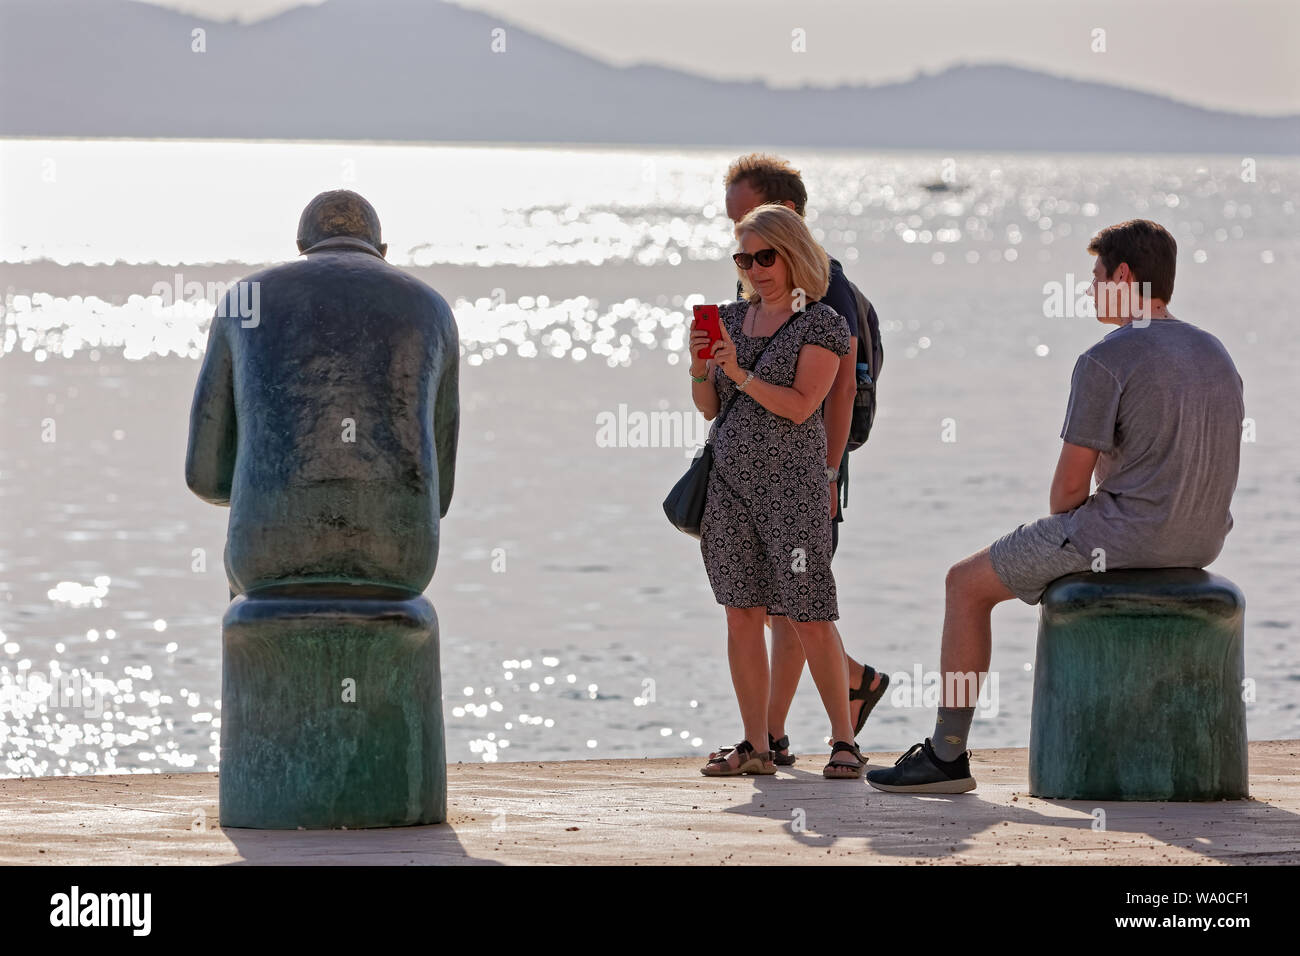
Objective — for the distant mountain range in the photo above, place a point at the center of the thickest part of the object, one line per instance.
(425, 70)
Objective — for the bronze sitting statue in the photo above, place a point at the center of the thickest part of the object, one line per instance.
(327, 421)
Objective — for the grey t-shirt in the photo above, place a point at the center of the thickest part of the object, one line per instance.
(1163, 404)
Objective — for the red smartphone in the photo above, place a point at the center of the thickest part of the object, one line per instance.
(707, 318)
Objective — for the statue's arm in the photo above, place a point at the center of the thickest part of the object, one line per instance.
(210, 458)
(446, 419)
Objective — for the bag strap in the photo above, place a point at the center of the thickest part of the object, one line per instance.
(865, 309)
(727, 407)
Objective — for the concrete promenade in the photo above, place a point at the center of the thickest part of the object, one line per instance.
(640, 812)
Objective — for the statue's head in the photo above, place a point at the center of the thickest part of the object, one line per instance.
(339, 212)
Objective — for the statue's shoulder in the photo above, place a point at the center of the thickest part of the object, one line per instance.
(390, 288)
(279, 272)
(420, 291)
(416, 288)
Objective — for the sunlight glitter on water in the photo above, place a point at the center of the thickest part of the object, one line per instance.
(578, 328)
(68, 719)
(50, 327)
(61, 717)
(178, 202)
(72, 201)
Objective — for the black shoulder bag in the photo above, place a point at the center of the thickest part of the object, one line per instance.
(684, 505)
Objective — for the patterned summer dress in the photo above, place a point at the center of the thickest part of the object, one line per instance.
(766, 532)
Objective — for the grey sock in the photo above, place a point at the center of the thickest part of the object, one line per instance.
(950, 732)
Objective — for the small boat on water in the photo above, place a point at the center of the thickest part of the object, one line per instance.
(940, 186)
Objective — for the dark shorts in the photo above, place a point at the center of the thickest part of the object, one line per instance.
(1034, 555)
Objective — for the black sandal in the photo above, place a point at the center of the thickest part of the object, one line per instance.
(869, 697)
(774, 745)
(834, 764)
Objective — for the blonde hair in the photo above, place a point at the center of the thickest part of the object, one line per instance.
(807, 265)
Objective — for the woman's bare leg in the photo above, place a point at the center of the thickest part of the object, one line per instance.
(747, 655)
(829, 668)
(787, 669)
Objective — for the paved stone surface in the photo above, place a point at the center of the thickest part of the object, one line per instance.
(663, 811)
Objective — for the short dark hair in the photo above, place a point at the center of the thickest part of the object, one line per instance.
(1146, 246)
(771, 177)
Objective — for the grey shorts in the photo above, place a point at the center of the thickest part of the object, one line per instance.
(1034, 555)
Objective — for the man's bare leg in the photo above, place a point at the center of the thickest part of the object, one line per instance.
(972, 590)
(940, 765)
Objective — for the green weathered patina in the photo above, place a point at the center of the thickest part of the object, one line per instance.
(331, 710)
(1138, 688)
(326, 417)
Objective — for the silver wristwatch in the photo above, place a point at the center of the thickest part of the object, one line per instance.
(832, 474)
(748, 379)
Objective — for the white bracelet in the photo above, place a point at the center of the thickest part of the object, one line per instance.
(748, 378)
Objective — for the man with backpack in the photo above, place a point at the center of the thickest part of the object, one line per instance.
(848, 412)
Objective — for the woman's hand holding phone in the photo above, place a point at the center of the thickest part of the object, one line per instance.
(724, 355)
(699, 343)
(706, 329)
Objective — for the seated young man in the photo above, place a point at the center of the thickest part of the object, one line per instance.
(1156, 407)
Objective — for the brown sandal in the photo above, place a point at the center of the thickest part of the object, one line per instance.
(751, 763)
(774, 745)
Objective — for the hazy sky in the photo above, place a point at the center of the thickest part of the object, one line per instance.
(1228, 54)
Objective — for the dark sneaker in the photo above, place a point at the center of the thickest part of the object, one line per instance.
(921, 771)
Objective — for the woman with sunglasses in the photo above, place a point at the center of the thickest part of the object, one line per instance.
(766, 532)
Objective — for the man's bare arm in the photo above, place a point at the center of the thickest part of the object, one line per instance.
(839, 405)
(1073, 479)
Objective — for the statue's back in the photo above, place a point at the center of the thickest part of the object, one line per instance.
(345, 401)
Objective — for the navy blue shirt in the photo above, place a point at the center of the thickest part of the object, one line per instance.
(839, 296)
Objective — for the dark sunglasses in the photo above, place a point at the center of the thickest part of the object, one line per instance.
(764, 257)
